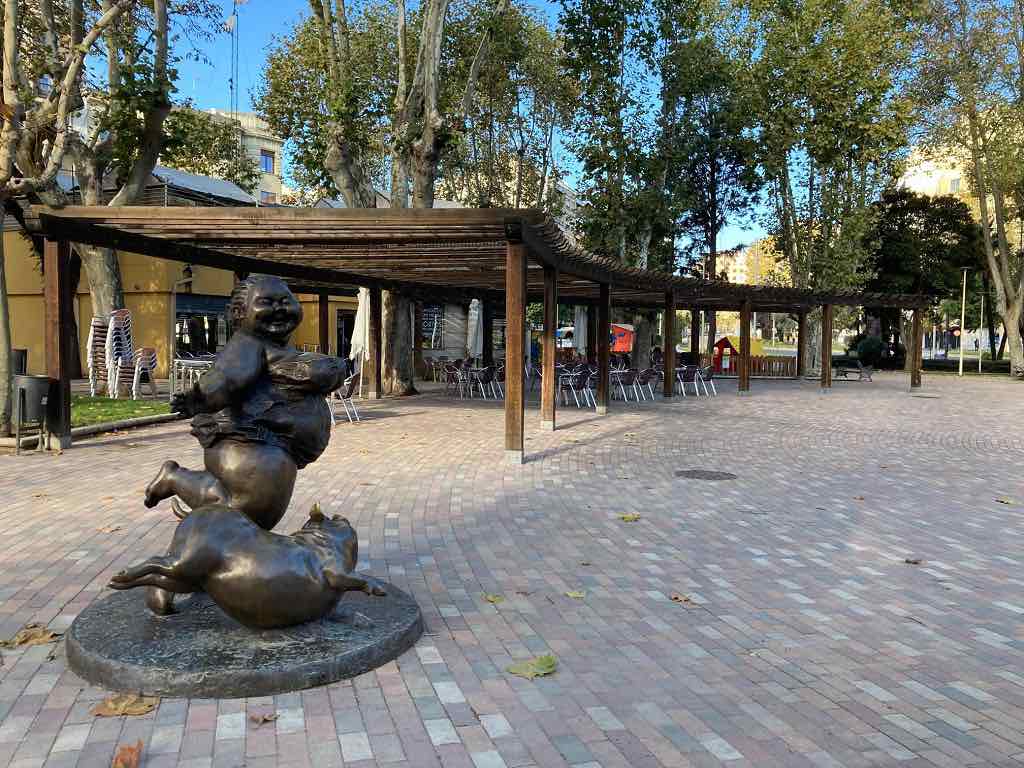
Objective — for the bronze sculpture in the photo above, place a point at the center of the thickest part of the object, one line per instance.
(260, 415)
(260, 579)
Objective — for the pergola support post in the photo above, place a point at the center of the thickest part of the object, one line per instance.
(743, 379)
(604, 332)
(826, 347)
(58, 314)
(668, 340)
(373, 376)
(515, 332)
(695, 336)
(801, 344)
(487, 318)
(916, 351)
(323, 305)
(549, 378)
(591, 333)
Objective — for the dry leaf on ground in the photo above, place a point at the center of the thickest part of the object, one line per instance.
(912, 561)
(576, 595)
(630, 517)
(858, 498)
(536, 667)
(675, 597)
(585, 562)
(109, 529)
(1003, 501)
(31, 634)
(128, 757)
(125, 704)
(261, 719)
(493, 599)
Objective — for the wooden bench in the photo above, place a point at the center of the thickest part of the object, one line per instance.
(863, 372)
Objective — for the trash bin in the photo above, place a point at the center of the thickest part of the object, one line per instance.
(35, 388)
(19, 362)
(29, 394)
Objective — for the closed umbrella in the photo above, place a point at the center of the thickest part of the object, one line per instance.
(580, 331)
(474, 330)
(361, 333)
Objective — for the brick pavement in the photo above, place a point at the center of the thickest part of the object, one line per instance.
(806, 639)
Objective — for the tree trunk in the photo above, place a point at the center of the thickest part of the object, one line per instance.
(5, 345)
(104, 275)
(814, 341)
(397, 358)
(1011, 322)
(642, 326)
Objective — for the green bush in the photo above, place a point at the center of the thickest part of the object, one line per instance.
(869, 350)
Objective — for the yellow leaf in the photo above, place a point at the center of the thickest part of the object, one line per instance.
(128, 757)
(121, 704)
(261, 719)
(493, 599)
(630, 517)
(675, 597)
(31, 634)
(1003, 500)
(576, 595)
(109, 529)
(536, 667)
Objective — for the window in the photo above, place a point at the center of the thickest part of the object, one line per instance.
(954, 186)
(267, 198)
(266, 161)
(432, 330)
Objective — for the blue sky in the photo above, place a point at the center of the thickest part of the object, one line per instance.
(206, 83)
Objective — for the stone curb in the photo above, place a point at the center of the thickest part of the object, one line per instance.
(97, 429)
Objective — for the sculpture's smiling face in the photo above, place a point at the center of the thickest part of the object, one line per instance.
(273, 310)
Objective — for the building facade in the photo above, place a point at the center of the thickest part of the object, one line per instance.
(263, 148)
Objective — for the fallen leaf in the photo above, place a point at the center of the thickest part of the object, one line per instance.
(31, 634)
(1003, 501)
(493, 599)
(121, 704)
(109, 529)
(675, 597)
(262, 719)
(39, 495)
(585, 562)
(523, 592)
(630, 517)
(536, 667)
(128, 757)
(912, 561)
(575, 595)
(858, 498)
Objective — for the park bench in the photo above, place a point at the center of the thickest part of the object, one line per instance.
(863, 371)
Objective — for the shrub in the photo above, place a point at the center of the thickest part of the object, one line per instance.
(869, 350)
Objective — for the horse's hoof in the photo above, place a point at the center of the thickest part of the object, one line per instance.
(160, 601)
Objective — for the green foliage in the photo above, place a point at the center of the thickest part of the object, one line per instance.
(921, 243)
(520, 101)
(833, 121)
(869, 350)
(210, 146)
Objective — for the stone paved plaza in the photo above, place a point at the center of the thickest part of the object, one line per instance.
(801, 636)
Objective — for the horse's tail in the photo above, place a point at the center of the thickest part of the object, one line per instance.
(180, 512)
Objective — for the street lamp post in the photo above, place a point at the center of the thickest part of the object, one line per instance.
(963, 314)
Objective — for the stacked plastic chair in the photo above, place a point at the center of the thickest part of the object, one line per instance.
(125, 363)
(96, 348)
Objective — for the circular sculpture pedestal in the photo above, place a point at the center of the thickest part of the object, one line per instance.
(200, 652)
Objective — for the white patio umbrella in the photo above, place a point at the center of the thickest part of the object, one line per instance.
(474, 330)
(580, 331)
(361, 333)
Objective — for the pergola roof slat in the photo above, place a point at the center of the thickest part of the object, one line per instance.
(419, 251)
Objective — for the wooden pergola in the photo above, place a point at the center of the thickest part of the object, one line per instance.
(437, 255)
